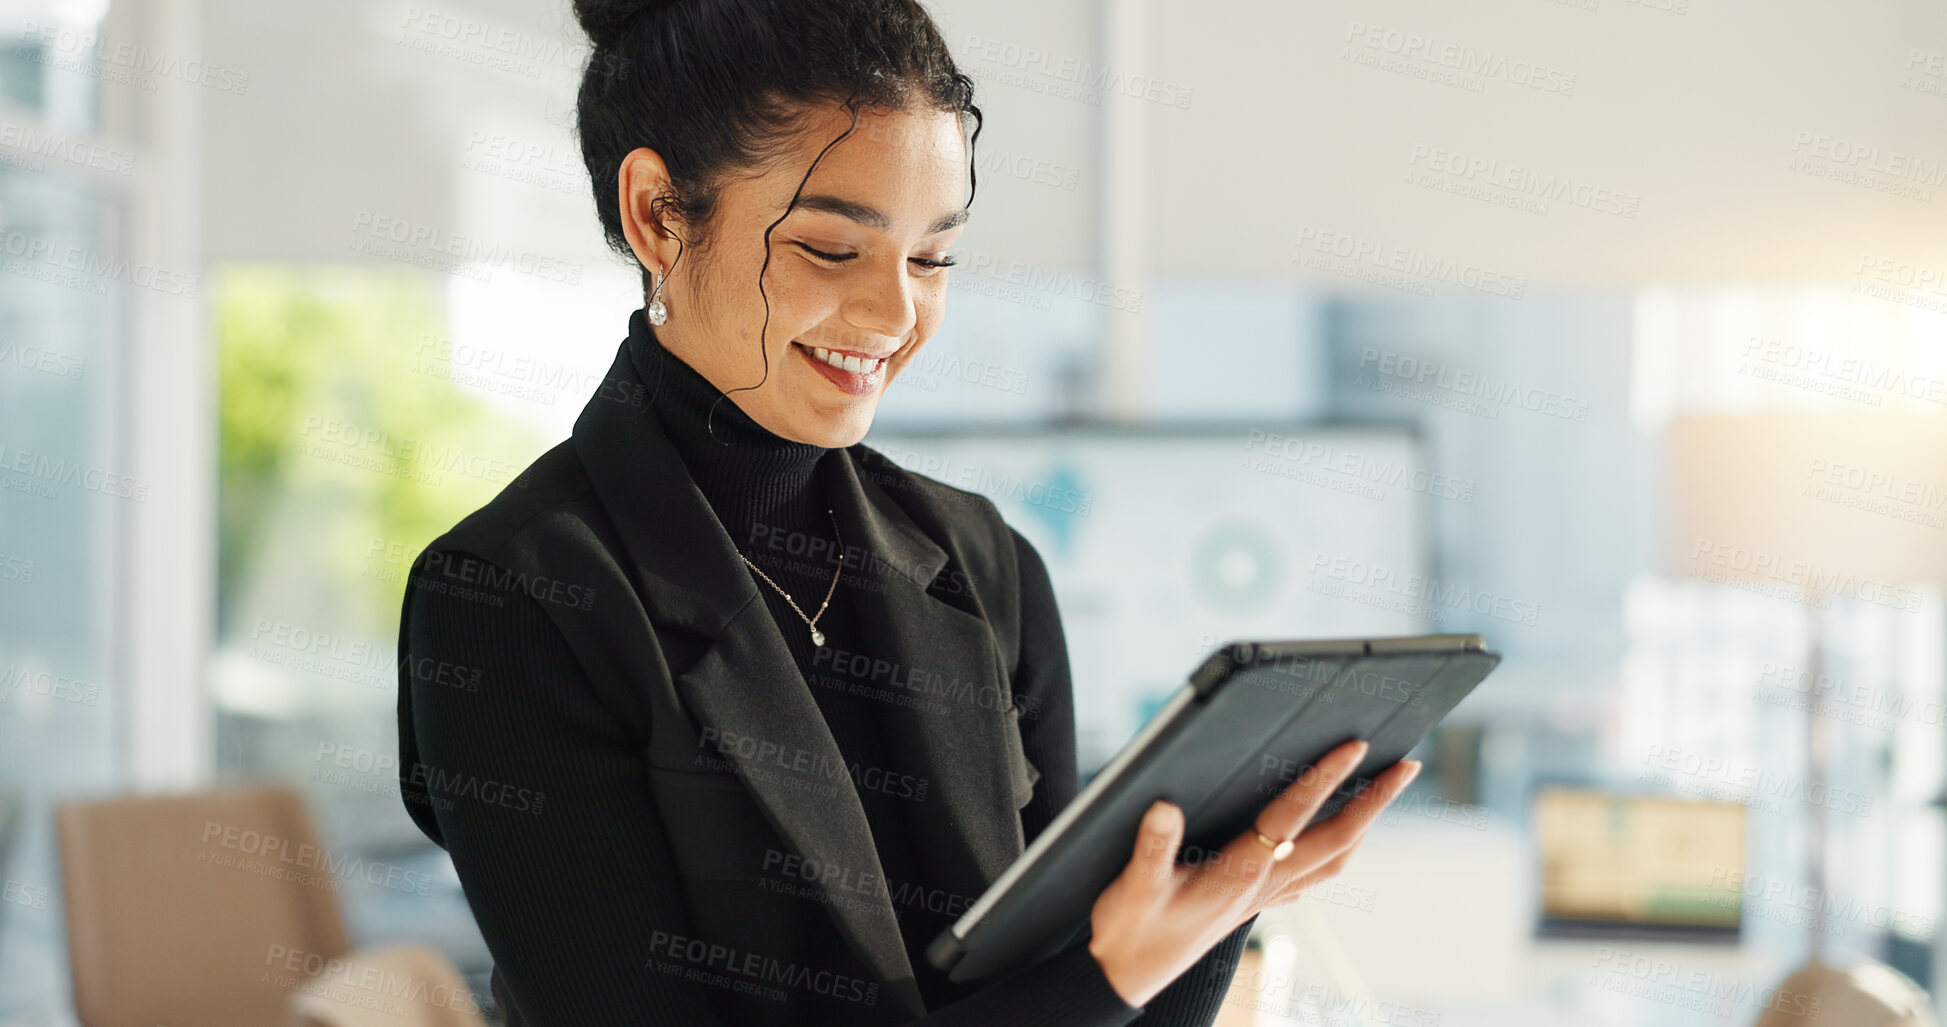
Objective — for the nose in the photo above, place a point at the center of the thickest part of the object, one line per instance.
(881, 303)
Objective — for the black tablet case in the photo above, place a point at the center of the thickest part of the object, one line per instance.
(1288, 702)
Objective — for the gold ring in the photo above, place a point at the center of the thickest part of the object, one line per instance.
(1279, 850)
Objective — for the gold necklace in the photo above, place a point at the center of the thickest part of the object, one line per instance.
(817, 636)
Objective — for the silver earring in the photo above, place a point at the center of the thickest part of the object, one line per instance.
(657, 312)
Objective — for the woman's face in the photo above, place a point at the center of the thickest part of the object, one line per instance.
(853, 270)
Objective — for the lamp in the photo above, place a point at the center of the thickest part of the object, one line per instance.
(1815, 506)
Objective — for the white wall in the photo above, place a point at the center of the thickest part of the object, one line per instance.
(1695, 112)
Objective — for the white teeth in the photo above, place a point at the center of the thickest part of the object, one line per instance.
(856, 365)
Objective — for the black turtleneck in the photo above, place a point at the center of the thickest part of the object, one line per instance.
(769, 493)
(765, 487)
(749, 474)
(548, 733)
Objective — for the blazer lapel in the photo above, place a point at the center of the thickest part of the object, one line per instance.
(747, 684)
(954, 718)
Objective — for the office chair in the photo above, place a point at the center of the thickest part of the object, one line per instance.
(221, 908)
(1866, 994)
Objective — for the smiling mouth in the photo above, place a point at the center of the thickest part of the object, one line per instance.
(843, 361)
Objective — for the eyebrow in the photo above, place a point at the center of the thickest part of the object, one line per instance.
(871, 216)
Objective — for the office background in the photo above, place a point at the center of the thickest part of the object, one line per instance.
(1273, 319)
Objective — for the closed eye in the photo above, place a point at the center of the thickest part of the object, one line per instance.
(839, 258)
(822, 255)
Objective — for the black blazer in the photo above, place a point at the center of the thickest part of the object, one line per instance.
(610, 533)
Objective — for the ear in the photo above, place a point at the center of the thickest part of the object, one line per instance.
(643, 178)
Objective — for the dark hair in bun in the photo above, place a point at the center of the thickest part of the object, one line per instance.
(606, 20)
(714, 85)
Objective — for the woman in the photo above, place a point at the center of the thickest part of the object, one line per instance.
(670, 803)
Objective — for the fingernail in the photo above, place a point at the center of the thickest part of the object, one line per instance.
(1159, 815)
(1412, 771)
(1356, 754)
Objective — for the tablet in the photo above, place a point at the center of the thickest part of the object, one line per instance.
(1251, 718)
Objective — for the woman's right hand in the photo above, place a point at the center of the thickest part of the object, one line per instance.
(1158, 918)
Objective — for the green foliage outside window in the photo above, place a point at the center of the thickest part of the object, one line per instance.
(341, 431)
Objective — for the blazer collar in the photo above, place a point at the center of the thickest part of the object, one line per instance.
(963, 744)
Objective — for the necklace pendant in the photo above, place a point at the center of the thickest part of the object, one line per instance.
(817, 637)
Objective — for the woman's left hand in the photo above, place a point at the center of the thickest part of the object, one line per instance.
(1159, 916)
(1287, 881)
